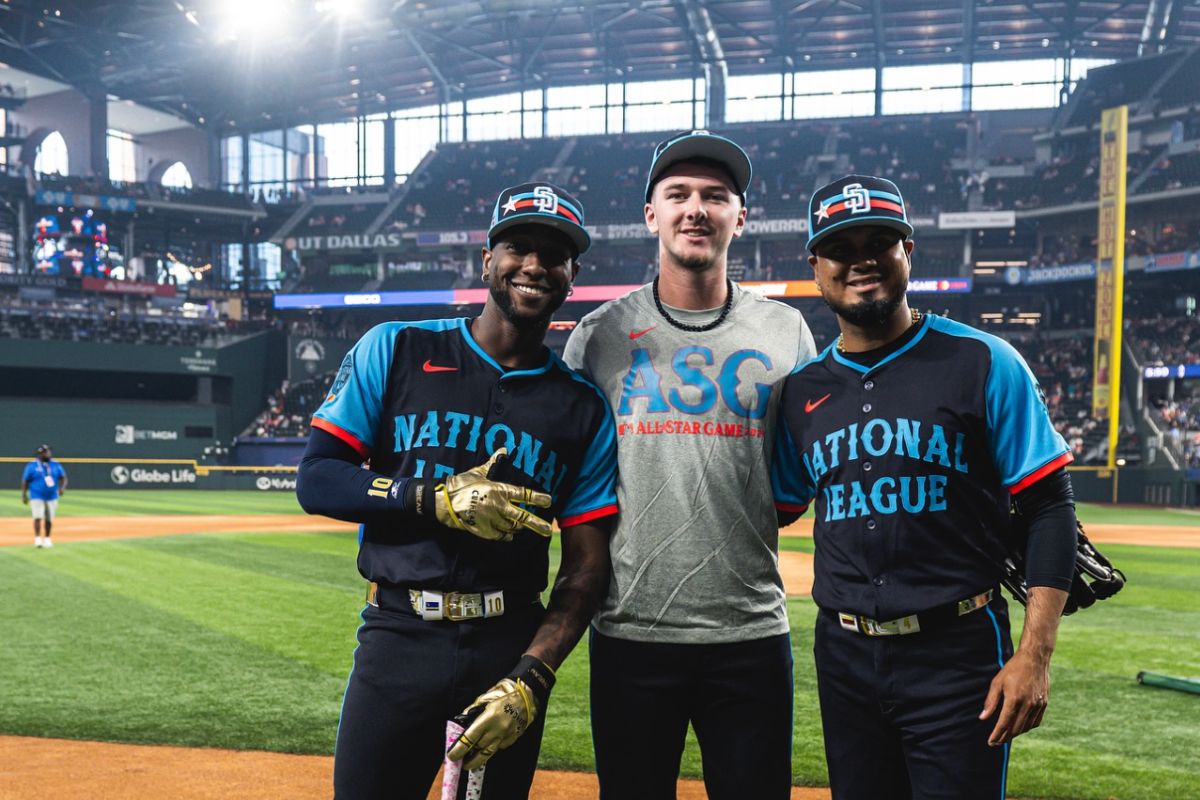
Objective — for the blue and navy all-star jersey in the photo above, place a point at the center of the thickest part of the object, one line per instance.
(910, 465)
(423, 400)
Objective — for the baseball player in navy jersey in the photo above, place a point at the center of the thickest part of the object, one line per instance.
(911, 437)
(694, 628)
(474, 435)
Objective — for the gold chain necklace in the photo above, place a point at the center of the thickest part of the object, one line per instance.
(916, 318)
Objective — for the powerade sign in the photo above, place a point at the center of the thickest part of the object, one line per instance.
(136, 476)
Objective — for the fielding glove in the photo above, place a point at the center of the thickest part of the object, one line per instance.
(500, 715)
(470, 502)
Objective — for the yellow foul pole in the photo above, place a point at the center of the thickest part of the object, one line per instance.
(1110, 275)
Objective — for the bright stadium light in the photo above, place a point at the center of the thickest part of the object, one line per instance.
(344, 9)
(260, 17)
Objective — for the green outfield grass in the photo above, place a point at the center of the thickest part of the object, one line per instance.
(245, 641)
(135, 502)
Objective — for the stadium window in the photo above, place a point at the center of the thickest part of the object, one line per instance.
(1080, 67)
(51, 156)
(495, 117)
(266, 161)
(922, 89)
(300, 156)
(531, 124)
(998, 85)
(834, 93)
(575, 110)
(339, 152)
(416, 135)
(177, 176)
(231, 163)
(266, 264)
(231, 265)
(452, 121)
(372, 149)
(122, 157)
(3, 130)
(661, 105)
(753, 98)
(616, 107)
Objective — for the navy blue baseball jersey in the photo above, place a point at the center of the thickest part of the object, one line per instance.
(424, 400)
(910, 465)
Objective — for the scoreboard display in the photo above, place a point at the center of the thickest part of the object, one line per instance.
(75, 245)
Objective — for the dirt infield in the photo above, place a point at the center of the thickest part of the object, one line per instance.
(32, 769)
(19, 530)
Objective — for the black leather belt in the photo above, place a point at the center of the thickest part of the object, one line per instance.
(436, 605)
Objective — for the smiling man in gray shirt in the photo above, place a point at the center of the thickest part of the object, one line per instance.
(694, 627)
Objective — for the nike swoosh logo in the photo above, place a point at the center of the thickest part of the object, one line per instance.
(636, 334)
(811, 405)
(428, 366)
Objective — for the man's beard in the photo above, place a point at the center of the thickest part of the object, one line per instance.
(700, 263)
(499, 293)
(868, 313)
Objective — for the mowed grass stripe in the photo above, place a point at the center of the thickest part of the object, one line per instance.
(343, 544)
(81, 662)
(254, 553)
(311, 624)
(1106, 514)
(1041, 768)
(138, 502)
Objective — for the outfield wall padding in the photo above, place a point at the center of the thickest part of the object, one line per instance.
(229, 388)
(160, 474)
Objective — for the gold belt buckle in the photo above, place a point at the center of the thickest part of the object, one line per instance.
(892, 627)
(458, 606)
(974, 603)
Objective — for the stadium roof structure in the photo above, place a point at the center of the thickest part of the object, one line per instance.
(257, 64)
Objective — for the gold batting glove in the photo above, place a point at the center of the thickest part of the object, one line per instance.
(500, 715)
(488, 509)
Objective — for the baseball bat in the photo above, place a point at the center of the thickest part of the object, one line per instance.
(1190, 685)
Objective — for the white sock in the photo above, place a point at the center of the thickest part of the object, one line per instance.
(38, 540)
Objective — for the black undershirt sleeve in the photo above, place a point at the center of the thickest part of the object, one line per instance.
(1049, 507)
(331, 481)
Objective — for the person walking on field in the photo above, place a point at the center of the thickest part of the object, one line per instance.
(43, 482)
(694, 626)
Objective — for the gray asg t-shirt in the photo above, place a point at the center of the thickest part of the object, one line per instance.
(695, 552)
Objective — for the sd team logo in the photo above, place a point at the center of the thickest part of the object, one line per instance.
(858, 199)
(545, 200)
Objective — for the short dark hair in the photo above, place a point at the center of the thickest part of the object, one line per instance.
(706, 162)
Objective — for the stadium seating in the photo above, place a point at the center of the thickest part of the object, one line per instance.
(289, 409)
(1128, 82)
(460, 185)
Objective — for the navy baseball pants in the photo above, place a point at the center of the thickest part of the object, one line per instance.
(737, 696)
(410, 676)
(901, 713)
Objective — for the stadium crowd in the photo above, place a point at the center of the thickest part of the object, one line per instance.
(89, 319)
(289, 409)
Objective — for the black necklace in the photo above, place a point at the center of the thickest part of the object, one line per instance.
(696, 328)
